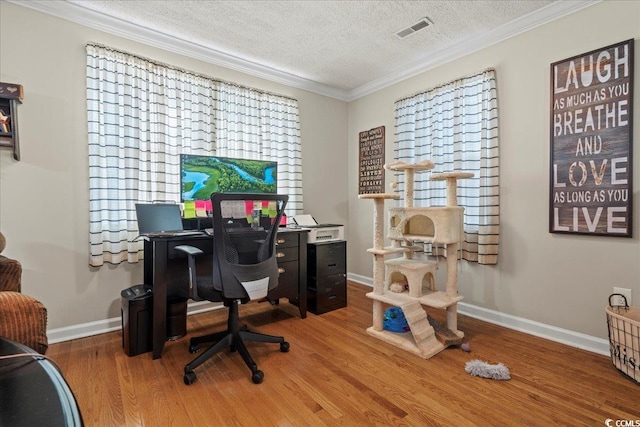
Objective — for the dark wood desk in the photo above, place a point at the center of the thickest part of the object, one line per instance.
(166, 270)
(34, 393)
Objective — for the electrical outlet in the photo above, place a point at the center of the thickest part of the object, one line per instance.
(616, 300)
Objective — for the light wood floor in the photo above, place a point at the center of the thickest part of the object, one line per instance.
(336, 374)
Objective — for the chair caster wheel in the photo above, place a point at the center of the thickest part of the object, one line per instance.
(194, 348)
(257, 377)
(189, 377)
(284, 347)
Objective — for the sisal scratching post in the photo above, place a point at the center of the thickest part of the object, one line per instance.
(378, 223)
(378, 262)
(408, 188)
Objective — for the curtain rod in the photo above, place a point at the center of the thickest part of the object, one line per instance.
(444, 84)
(182, 70)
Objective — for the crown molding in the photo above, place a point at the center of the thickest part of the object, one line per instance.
(80, 15)
(553, 11)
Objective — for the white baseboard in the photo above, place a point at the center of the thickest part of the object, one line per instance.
(114, 324)
(363, 280)
(531, 327)
(564, 336)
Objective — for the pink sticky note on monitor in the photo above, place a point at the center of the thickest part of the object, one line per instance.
(200, 204)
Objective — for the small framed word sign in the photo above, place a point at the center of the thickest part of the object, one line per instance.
(591, 139)
(371, 161)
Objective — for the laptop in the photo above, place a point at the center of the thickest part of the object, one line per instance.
(161, 220)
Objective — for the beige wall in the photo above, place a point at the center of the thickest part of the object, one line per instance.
(559, 280)
(44, 197)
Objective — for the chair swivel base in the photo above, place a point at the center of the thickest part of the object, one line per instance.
(234, 338)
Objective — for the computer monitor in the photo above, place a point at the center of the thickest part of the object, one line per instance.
(200, 176)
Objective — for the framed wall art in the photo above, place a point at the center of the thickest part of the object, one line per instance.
(591, 141)
(371, 174)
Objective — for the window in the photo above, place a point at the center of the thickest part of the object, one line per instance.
(456, 127)
(142, 115)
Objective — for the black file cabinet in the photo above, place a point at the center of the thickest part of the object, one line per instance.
(326, 276)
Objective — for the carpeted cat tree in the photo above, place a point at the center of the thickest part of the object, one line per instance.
(407, 281)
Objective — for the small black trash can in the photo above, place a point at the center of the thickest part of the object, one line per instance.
(137, 309)
(176, 318)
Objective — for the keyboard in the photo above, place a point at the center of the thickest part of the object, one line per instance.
(179, 233)
(244, 229)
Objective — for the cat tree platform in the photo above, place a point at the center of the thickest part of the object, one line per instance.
(434, 299)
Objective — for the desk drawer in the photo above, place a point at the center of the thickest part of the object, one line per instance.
(287, 281)
(286, 254)
(286, 239)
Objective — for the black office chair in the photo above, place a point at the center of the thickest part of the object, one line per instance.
(240, 274)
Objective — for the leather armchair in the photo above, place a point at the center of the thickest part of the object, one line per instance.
(22, 318)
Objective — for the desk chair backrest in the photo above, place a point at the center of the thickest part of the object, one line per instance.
(240, 274)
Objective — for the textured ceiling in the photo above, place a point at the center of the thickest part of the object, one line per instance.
(344, 45)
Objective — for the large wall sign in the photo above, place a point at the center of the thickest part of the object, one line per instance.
(371, 161)
(591, 140)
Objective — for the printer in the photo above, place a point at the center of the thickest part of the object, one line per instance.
(319, 233)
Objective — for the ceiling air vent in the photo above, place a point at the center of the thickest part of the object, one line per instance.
(406, 32)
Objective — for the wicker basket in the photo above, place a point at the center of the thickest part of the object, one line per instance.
(624, 338)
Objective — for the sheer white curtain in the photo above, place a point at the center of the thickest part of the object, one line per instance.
(253, 125)
(456, 127)
(142, 115)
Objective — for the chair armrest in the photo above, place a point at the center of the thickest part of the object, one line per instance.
(24, 319)
(189, 250)
(10, 274)
(192, 252)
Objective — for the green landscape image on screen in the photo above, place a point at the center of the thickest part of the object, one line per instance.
(203, 175)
